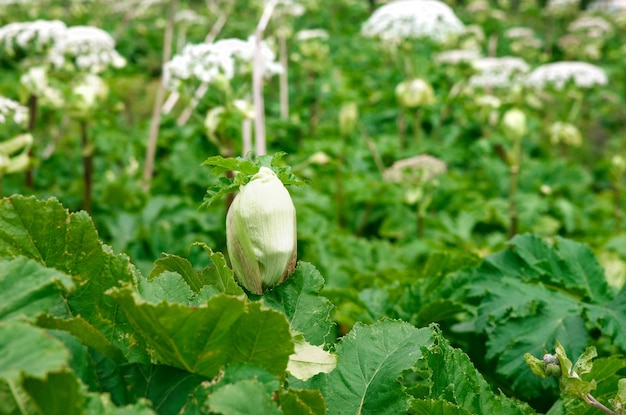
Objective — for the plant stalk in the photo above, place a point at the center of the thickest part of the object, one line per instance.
(87, 152)
(32, 121)
(159, 99)
(593, 402)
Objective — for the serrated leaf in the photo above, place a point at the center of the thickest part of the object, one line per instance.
(436, 407)
(309, 360)
(370, 361)
(611, 318)
(454, 378)
(307, 311)
(243, 398)
(29, 351)
(47, 233)
(58, 394)
(84, 332)
(219, 275)
(203, 339)
(221, 165)
(301, 402)
(27, 288)
(181, 266)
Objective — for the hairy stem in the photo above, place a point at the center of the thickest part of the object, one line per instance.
(593, 402)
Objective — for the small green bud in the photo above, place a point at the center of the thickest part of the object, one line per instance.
(415, 93)
(552, 365)
(514, 124)
(566, 133)
(261, 233)
(348, 117)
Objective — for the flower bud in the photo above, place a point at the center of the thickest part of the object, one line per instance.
(415, 93)
(261, 233)
(514, 124)
(566, 133)
(348, 117)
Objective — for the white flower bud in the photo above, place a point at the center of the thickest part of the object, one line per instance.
(348, 117)
(261, 233)
(415, 93)
(566, 133)
(514, 124)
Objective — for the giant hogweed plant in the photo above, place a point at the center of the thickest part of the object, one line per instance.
(83, 331)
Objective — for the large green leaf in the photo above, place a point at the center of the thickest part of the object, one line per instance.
(307, 311)
(27, 288)
(29, 351)
(243, 398)
(302, 402)
(47, 233)
(203, 339)
(437, 407)
(371, 360)
(454, 379)
(58, 394)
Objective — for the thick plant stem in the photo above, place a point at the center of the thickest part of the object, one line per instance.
(160, 98)
(260, 145)
(593, 402)
(284, 79)
(32, 121)
(513, 221)
(87, 151)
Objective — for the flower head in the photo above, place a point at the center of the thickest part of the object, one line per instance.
(401, 19)
(31, 38)
(498, 72)
(261, 233)
(557, 74)
(422, 168)
(11, 112)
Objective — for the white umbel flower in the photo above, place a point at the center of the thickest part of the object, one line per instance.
(557, 74)
(261, 233)
(210, 62)
(422, 168)
(458, 56)
(31, 38)
(12, 112)
(86, 49)
(402, 19)
(498, 72)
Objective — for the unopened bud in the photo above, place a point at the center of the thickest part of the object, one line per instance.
(514, 124)
(261, 233)
(415, 93)
(566, 133)
(348, 117)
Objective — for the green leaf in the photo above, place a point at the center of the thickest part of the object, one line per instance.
(371, 359)
(307, 311)
(57, 394)
(308, 360)
(27, 288)
(436, 407)
(301, 402)
(181, 266)
(29, 351)
(243, 398)
(453, 378)
(168, 286)
(221, 165)
(203, 339)
(84, 332)
(219, 275)
(611, 318)
(47, 233)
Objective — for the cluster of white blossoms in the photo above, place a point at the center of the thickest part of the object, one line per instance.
(558, 74)
(591, 26)
(458, 56)
(82, 48)
(561, 7)
(12, 112)
(409, 19)
(422, 168)
(310, 34)
(31, 38)
(87, 48)
(500, 72)
(608, 6)
(219, 61)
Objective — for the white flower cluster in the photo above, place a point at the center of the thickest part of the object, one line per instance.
(608, 6)
(557, 74)
(402, 19)
(591, 26)
(84, 48)
(289, 8)
(561, 7)
(12, 112)
(210, 62)
(457, 56)
(498, 72)
(188, 17)
(88, 48)
(422, 168)
(31, 37)
(309, 34)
